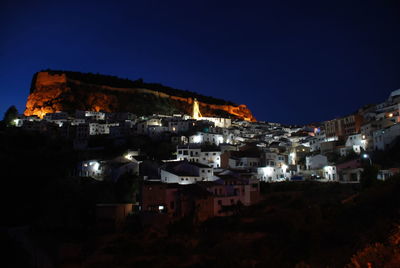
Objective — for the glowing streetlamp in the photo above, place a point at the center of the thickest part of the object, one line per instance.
(366, 156)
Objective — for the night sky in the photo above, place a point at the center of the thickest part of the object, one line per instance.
(289, 61)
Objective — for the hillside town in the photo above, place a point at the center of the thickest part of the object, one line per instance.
(217, 164)
(200, 134)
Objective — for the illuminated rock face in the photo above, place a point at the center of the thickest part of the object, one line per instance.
(53, 92)
(47, 89)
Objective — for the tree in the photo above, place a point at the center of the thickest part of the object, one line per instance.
(10, 115)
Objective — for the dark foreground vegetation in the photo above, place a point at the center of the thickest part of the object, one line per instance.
(297, 225)
(47, 213)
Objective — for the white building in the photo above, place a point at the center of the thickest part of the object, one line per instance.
(274, 159)
(18, 122)
(390, 112)
(100, 128)
(329, 173)
(58, 118)
(367, 130)
(316, 161)
(90, 115)
(77, 121)
(218, 121)
(109, 169)
(196, 154)
(211, 158)
(183, 172)
(207, 138)
(384, 137)
(315, 142)
(90, 168)
(273, 173)
(244, 162)
(384, 174)
(357, 142)
(389, 109)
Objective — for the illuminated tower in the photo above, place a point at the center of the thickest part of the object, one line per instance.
(196, 110)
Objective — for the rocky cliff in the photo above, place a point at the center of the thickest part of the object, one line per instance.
(53, 91)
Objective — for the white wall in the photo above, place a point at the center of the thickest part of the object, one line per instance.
(330, 173)
(100, 129)
(218, 122)
(316, 161)
(384, 137)
(206, 174)
(272, 173)
(244, 162)
(211, 138)
(356, 142)
(168, 177)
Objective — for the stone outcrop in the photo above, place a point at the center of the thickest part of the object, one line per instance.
(54, 91)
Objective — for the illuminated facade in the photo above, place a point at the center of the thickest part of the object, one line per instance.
(206, 138)
(343, 126)
(329, 173)
(357, 142)
(184, 172)
(90, 168)
(211, 158)
(218, 121)
(273, 173)
(196, 110)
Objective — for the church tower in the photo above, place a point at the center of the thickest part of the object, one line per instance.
(196, 110)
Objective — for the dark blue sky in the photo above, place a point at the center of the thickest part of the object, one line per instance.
(289, 61)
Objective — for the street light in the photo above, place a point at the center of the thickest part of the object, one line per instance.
(366, 156)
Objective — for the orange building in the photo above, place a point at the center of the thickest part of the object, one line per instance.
(343, 126)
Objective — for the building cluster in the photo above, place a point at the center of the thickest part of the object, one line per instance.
(219, 162)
